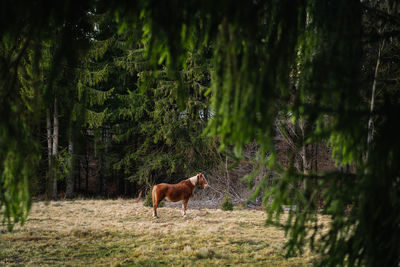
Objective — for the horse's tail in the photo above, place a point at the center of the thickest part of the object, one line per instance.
(154, 195)
(139, 197)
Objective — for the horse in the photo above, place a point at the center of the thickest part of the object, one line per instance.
(176, 192)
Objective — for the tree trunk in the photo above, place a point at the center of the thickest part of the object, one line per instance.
(227, 175)
(372, 103)
(104, 166)
(304, 158)
(70, 179)
(121, 186)
(302, 126)
(316, 158)
(55, 149)
(87, 173)
(49, 153)
(79, 176)
(49, 137)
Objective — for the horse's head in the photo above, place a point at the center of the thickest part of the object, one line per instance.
(201, 180)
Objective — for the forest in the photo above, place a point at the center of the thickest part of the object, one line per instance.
(294, 102)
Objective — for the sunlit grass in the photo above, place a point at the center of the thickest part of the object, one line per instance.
(122, 232)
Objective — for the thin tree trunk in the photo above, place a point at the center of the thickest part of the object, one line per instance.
(390, 9)
(79, 176)
(302, 125)
(304, 153)
(122, 186)
(70, 179)
(104, 166)
(227, 174)
(316, 158)
(101, 175)
(55, 147)
(76, 177)
(87, 173)
(49, 138)
(49, 153)
(305, 182)
(372, 103)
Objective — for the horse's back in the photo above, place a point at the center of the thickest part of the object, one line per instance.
(172, 192)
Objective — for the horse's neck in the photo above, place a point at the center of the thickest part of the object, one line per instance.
(193, 180)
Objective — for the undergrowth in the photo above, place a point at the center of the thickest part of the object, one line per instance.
(148, 201)
(227, 203)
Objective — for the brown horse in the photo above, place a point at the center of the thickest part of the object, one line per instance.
(176, 192)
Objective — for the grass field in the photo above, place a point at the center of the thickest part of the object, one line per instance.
(122, 232)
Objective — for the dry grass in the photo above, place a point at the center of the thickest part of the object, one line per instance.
(122, 232)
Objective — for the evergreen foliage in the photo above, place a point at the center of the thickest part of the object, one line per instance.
(148, 201)
(227, 203)
(159, 141)
(121, 96)
(329, 68)
(303, 59)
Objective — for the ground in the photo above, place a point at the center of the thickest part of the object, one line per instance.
(123, 232)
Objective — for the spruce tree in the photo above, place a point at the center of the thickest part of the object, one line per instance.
(259, 49)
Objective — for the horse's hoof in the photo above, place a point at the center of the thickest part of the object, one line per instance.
(155, 217)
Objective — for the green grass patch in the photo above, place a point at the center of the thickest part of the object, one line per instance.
(123, 233)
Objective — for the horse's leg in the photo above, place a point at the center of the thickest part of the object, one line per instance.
(156, 201)
(155, 211)
(184, 203)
